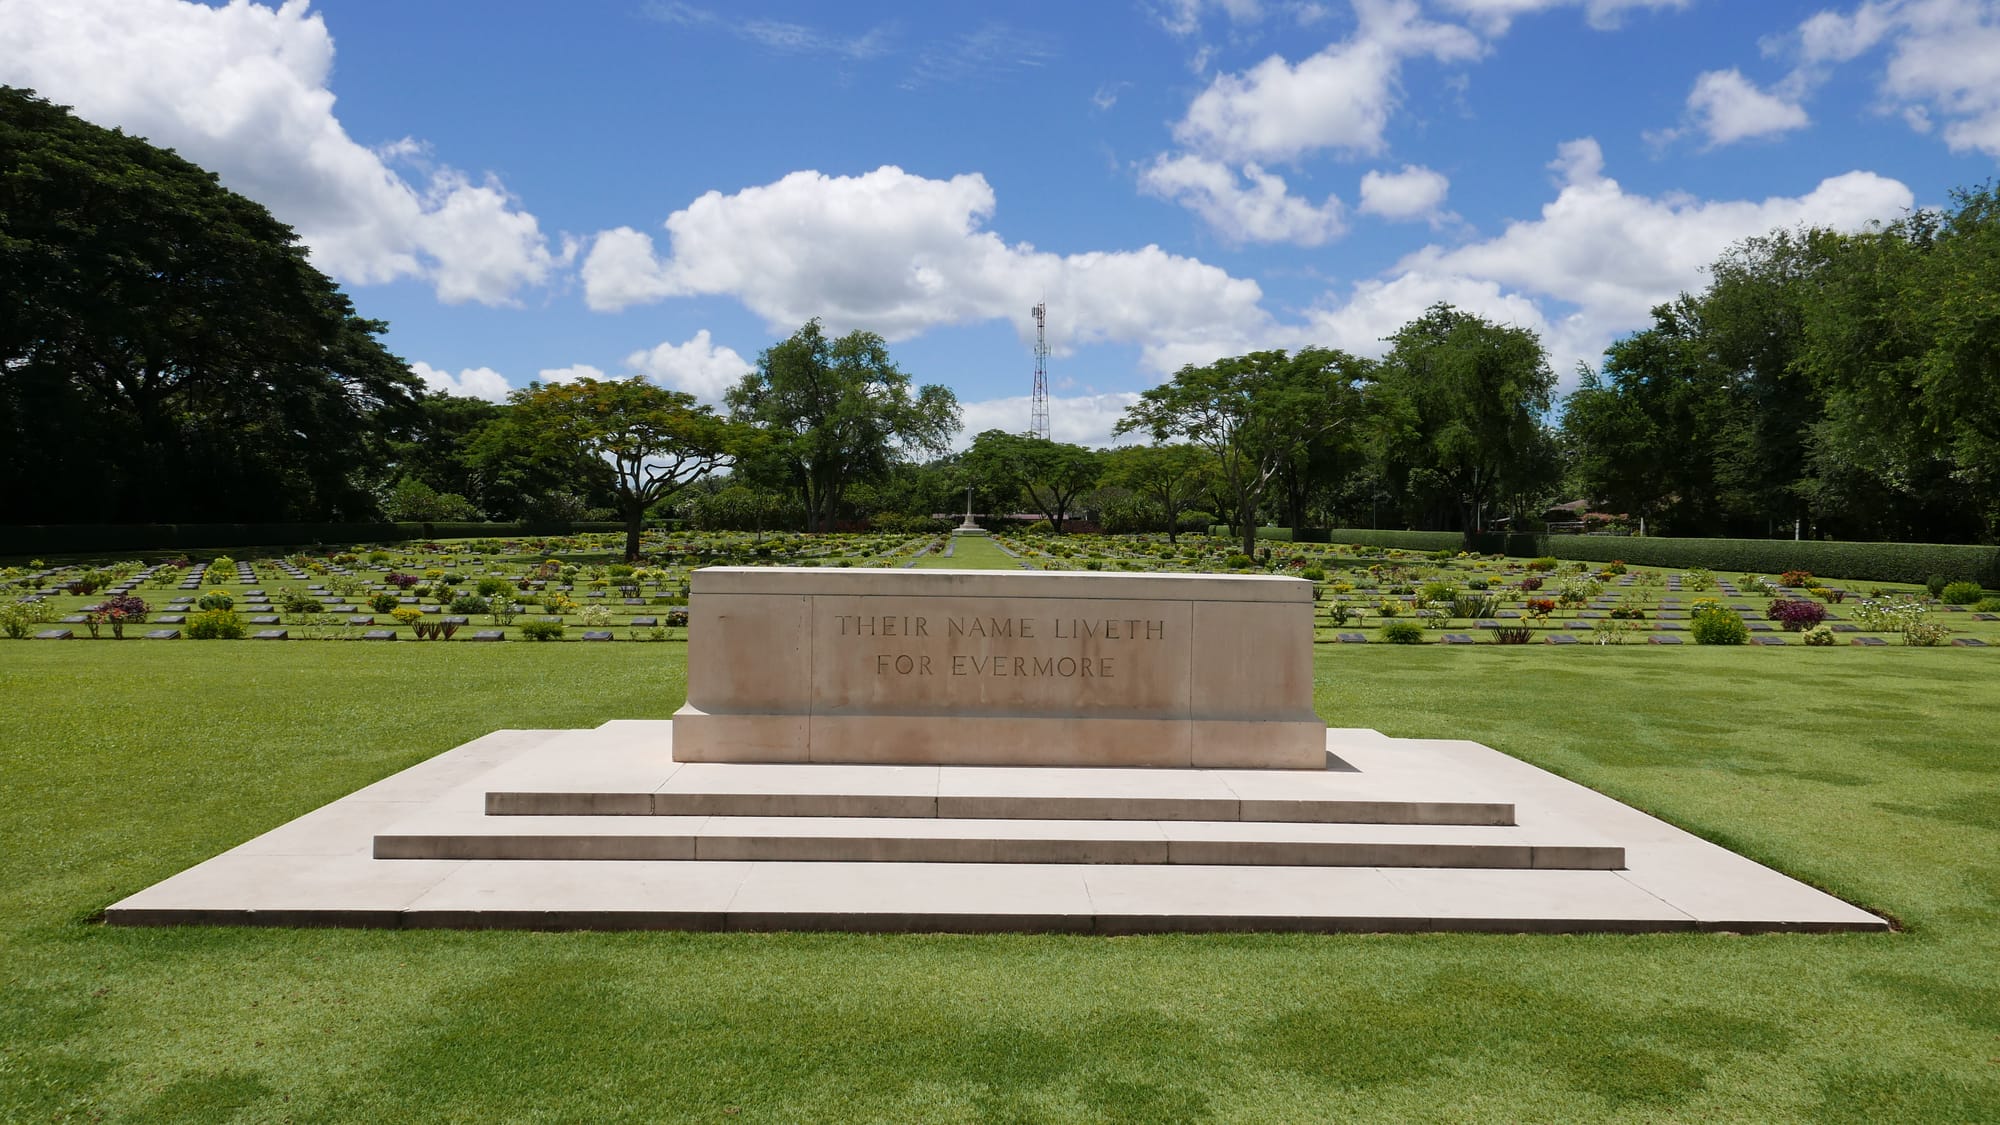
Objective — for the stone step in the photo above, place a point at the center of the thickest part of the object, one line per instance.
(1001, 806)
(936, 840)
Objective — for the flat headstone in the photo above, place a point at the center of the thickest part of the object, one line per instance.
(75, 619)
(1762, 627)
(1870, 642)
(170, 619)
(454, 621)
(635, 601)
(180, 601)
(1767, 640)
(253, 595)
(1663, 639)
(264, 619)
(1486, 625)
(1590, 614)
(1350, 638)
(488, 635)
(1845, 628)
(1579, 625)
(1508, 615)
(1952, 608)
(269, 635)
(1968, 642)
(1562, 638)
(645, 622)
(379, 635)
(54, 635)
(361, 621)
(1458, 639)
(1986, 617)
(597, 635)
(164, 635)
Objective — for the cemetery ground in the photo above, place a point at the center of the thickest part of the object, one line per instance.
(1870, 774)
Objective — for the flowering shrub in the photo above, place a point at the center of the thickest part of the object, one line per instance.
(1617, 566)
(1796, 614)
(1545, 563)
(215, 625)
(1820, 636)
(1699, 578)
(1715, 625)
(596, 616)
(1925, 633)
(216, 599)
(1578, 591)
(384, 602)
(1988, 605)
(118, 612)
(406, 614)
(221, 569)
(1795, 578)
(402, 581)
(1540, 607)
(1403, 633)
(1531, 583)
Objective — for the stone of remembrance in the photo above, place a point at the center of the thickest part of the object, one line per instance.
(962, 668)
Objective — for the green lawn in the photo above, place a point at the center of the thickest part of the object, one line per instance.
(1877, 778)
(971, 552)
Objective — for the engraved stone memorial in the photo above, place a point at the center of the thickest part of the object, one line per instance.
(977, 668)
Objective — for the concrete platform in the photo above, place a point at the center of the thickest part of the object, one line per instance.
(602, 829)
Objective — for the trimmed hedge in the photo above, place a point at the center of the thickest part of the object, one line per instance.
(1872, 562)
(92, 538)
(1914, 563)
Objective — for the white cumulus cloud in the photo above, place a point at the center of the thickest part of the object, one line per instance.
(701, 367)
(471, 382)
(1728, 108)
(1611, 255)
(1339, 99)
(1255, 206)
(242, 90)
(1413, 193)
(898, 253)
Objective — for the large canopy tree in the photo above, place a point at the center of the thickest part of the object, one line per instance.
(1169, 476)
(647, 443)
(1255, 413)
(166, 350)
(830, 413)
(1463, 408)
(1050, 474)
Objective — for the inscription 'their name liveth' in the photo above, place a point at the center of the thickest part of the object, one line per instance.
(1002, 628)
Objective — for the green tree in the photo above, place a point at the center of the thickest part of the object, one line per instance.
(831, 413)
(1051, 474)
(645, 442)
(166, 350)
(1169, 476)
(1463, 416)
(1254, 413)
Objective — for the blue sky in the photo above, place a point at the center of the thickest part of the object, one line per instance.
(529, 190)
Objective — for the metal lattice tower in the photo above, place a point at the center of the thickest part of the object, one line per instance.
(1038, 419)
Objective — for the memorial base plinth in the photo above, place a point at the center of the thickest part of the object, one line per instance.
(989, 741)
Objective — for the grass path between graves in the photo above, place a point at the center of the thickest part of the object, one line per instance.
(970, 552)
(1878, 778)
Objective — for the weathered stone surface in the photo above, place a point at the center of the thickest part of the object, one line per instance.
(978, 667)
